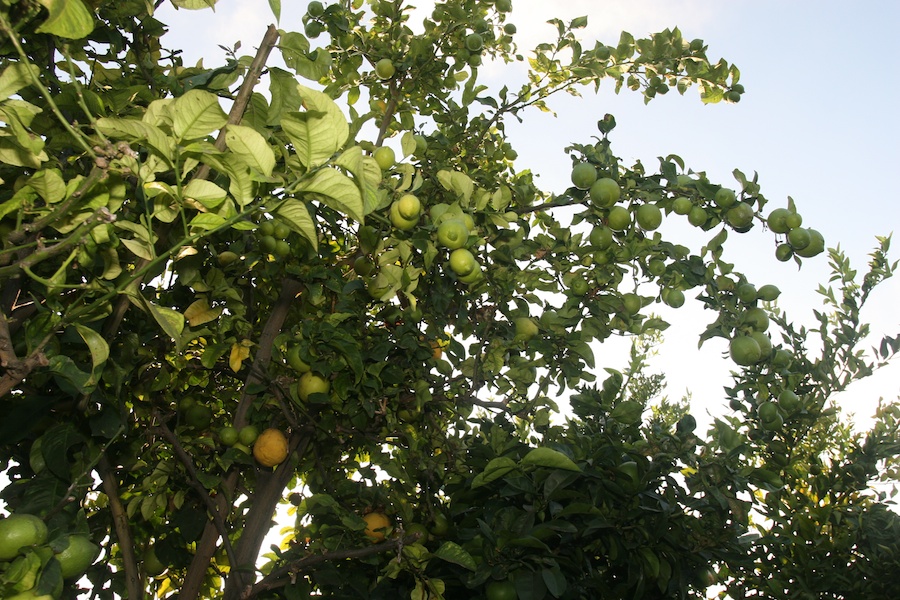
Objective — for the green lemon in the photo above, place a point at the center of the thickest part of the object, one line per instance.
(409, 207)
(777, 220)
(247, 435)
(20, 531)
(619, 218)
(453, 234)
(584, 175)
(384, 69)
(228, 435)
(79, 554)
(682, 205)
(385, 157)
(725, 198)
(648, 217)
(744, 350)
(605, 192)
(462, 262)
(601, 237)
(697, 216)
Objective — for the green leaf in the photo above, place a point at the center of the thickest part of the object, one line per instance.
(547, 457)
(494, 470)
(295, 50)
(171, 321)
(49, 185)
(205, 192)
(207, 221)
(68, 19)
(365, 172)
(319, 132)
(296, 215)
(275, 5)
(15, 77)
(195, 4)
(627, 412)
(455, 554)
(251, 147)
(134, 130)
(98, 347)
(196, 114)
(336, 191)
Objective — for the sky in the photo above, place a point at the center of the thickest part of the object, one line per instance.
(818, 123)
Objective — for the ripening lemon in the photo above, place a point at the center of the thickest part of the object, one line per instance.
(409, 207)
(376, 523)
(270, 448)
(462, 262)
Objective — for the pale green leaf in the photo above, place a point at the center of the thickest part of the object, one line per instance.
(207, 221)
(205, 192)
(251, 147)
(335, 190)
(366, 173)
(195, 4)
(139, 248)
(14, 154)
(296, 215)
(15, 77)
(133, 130)
(196, 114)
(68, 19)
(296, 54)
(627, 412)
(319, 132)
(408, 143)
(171, 321)
(49, 185)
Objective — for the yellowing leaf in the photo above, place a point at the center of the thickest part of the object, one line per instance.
(240, 351)
(200, 312)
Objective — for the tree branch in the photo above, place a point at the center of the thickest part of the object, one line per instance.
(194, 482)
(133, 584)
(282, 575)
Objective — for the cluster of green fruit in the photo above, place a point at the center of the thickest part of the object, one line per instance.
(25, 555)
(241, 439)
(752, 345)
(453, 230)
(800, 241)
(773, 413)
(605, 193)
(273, 237)
(315, 10)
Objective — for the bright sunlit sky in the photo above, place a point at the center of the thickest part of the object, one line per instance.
(818, 122)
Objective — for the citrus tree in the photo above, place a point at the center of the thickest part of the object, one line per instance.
(315, 278)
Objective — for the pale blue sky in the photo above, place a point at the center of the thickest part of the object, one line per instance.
(818, 122)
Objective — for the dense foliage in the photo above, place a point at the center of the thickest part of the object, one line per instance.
(223, 293)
